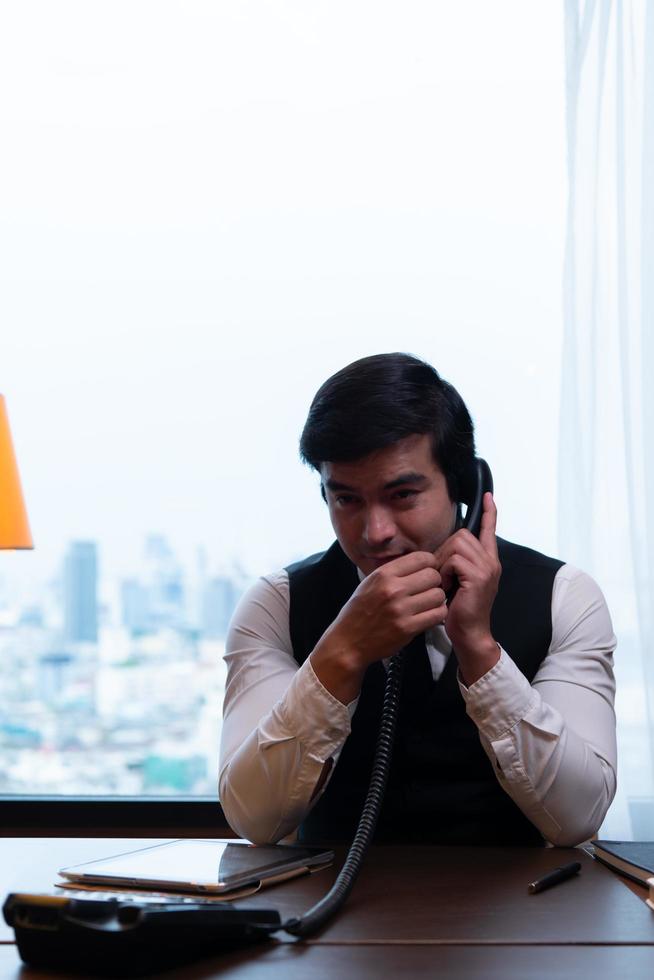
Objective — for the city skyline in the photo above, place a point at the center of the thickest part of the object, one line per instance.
(125, 700)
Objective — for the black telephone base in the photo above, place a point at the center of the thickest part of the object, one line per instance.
(120, 939)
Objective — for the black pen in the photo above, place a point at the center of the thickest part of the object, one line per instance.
(554, 877)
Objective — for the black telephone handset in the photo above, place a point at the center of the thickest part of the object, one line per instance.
(478, 482)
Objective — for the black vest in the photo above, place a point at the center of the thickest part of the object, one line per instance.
(442, 788)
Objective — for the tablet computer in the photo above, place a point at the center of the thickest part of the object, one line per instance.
(210, 866)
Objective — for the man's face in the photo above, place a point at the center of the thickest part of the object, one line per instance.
(389, 503)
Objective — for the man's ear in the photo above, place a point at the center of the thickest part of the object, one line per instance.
(322, 492)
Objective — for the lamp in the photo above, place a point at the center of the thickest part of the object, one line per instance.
(14, 526)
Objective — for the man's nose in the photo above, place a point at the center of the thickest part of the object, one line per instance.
(379, 526)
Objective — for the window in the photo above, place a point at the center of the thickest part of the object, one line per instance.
(207, 209)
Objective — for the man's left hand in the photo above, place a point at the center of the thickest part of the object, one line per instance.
(475, 565)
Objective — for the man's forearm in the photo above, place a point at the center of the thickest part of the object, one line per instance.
(562, 780)
(476, 660)
(265, 796)
(565, 793)
(337, 669)
(271, 775)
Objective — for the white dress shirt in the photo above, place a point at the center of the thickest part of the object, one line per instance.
(552, 742)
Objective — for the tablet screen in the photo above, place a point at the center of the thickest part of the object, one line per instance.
(210, 864)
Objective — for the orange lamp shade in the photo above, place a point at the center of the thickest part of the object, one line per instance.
(14, 526)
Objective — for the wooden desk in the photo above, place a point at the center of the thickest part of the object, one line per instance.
(415, 911)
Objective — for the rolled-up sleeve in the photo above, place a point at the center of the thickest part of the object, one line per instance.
(280, 725)
(552, 743)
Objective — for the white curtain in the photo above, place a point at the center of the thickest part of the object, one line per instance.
(606, 472)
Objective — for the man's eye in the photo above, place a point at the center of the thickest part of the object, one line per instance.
(405, 494)
(343, 499)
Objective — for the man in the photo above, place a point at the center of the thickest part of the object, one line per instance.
(506, 732)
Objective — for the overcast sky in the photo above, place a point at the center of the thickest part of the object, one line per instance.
(208, 208)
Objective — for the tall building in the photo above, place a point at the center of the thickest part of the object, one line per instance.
(135, 602)
(81, 593)
(165, 583)
(53, 675)
(219, 601)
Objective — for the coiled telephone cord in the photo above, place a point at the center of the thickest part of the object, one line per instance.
(322, 911)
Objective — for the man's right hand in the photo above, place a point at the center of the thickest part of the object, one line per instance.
(393, 604)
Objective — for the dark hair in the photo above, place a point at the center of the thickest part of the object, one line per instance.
(379, 400)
